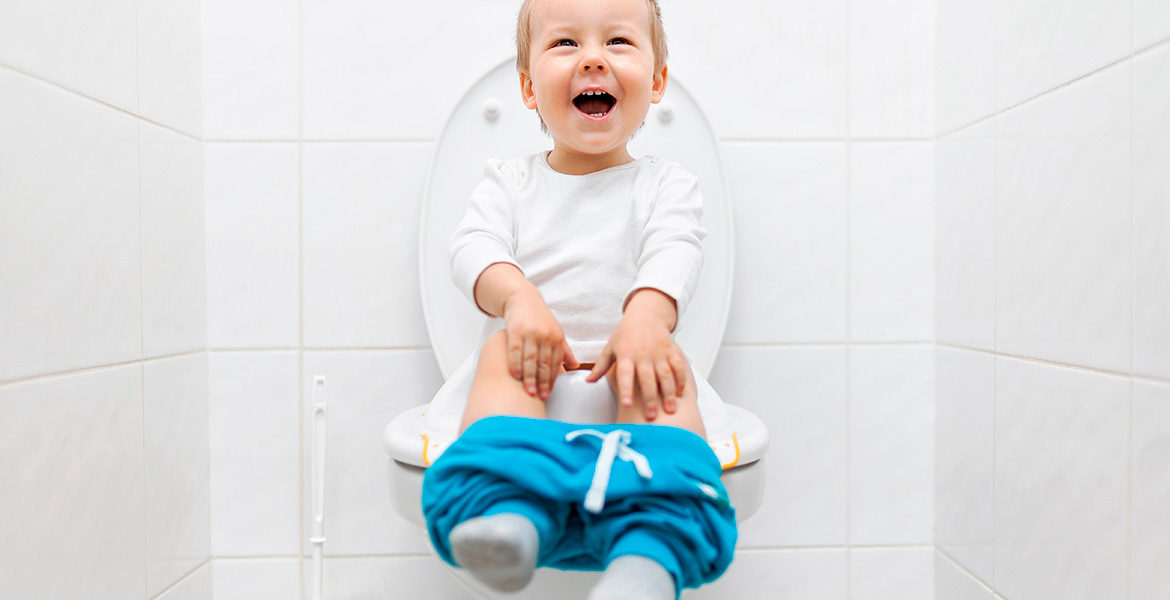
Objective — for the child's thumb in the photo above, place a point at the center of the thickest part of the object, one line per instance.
(570, 360)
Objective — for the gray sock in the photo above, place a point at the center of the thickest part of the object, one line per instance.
(500, 550)
(633, 577)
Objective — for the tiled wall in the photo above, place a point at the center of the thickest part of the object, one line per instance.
(1052, 286)
(321, 118)
(103, 363)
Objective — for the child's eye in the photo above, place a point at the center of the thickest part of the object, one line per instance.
(619, 40)
(565, 42)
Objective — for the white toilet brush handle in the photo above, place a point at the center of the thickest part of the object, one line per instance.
(318, 480)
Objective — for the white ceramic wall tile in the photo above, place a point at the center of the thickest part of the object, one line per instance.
(965, 238)
(256, 579)
(174, 270)
(252, 247)
(1041, 44)
(891, 68)
(1151, 22)
(964, 65)
(365, 390)
(891, 215)
(891, 574)
(396, 69)
(170, 64)
(395, 577)
(891, 443)
(175, 430)
(1151, 491)
(255, 453)
(800, 395)
(1061, 482)
(251, 58)
(790, 282)
(196, 586)
(787, 574)
(951, 583)
(1151, 197)
(84, 45)
(1063, 264)
(766, 69)
(73, 486)
(361, 215)
(964, 458)
(69, 252)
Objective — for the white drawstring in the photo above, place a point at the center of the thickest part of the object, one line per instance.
(614, 444)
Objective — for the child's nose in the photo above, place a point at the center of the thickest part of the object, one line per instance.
(593, 62)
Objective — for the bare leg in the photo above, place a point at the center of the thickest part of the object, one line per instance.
(494, 391)
(685, 416)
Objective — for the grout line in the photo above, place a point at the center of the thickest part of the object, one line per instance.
(963, 568)
(93, 369)
(204, 563)
(1151, 47)
(848, 301)
(1133, 275)
(304, 587)
(846, 138)
(412, 141)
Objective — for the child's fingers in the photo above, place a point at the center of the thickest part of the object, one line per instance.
(679, 367)
(569, 360)
(625, 378)
(515, 352)
(666, 384)
(649, 385)
(529, 368)
(544, 363)
(602, 366)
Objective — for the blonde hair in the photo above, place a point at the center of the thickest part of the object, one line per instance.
(524, 34)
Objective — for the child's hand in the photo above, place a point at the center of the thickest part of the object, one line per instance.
(641, 351)
(536, 346)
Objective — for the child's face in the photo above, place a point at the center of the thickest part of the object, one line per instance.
(591, 73)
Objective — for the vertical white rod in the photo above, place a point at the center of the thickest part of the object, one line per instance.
(318, 481)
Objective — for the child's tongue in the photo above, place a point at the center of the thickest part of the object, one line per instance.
(593, 106)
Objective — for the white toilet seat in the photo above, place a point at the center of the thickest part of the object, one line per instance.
(491, 122)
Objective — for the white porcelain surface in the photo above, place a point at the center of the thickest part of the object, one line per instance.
(790, 264)
(255, 453)
(891, 573)
(766, 69)
(395, 69)
(891, 220)
(1063, 225)
(252, 247)
(175, 431)
(73, 487)
(891, 445)
(196, 586)
(174, 271)
(964, 65)
(800, 394)
(964, 270)
(251, 57)
(787, 574)
(1041, 44)
(1061, 471)
(170, 64)
(256, 579)
(361, 211)
(1151, 205)
(84, 45)
(1151, 22)
(396, 577)
(952, 583)
(964, 458)
(1151, 491)
(891, 68)
(365, 390)
(69, 252)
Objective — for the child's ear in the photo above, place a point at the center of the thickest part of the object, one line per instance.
(659, 87)
(526, 91)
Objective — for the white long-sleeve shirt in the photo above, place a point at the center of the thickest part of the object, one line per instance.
(585, 241)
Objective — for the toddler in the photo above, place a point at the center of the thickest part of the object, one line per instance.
(589, 256)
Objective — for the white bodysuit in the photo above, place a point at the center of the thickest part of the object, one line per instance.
(585, 241)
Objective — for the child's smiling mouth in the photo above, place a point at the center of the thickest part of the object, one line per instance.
(595, 103)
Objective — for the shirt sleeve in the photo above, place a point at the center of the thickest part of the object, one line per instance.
(485, 236)
(671, 252)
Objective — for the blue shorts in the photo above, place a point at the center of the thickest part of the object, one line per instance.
(594, 493)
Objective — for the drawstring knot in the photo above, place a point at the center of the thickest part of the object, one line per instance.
(614, 445)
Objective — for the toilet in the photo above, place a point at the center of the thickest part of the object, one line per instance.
(491, 122)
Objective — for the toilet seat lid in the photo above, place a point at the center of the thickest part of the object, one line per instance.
(491, 121)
